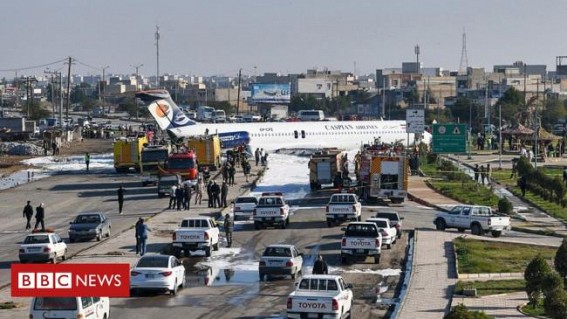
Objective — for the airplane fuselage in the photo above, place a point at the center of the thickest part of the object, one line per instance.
(278, 135)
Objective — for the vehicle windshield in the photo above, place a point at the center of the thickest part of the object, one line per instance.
(361, 230)
(342, 199)
(380, 223)
(271, 201)
(277, 252)
(246, 200)
(390, 216)
(153, 262)
(87, 219)
(181, 163)
(55, 303)
(38, 239)
(154, 155)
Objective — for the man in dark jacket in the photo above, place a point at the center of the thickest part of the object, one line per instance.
(224, 193)
(320, 266)
(179, 197)
(228, 228)
(28, 213)
(120, 193)
(187, 197)
(137, 236)
(210, 194)
(40, 216)
(142, 231)
(215, 192)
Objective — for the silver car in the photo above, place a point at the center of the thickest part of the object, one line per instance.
(280, 260)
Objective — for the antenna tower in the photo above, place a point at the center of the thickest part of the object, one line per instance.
(464, 65)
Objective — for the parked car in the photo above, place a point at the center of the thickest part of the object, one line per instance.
(394, 217)
(42, 247)
(387, 230)
(244, 206)
(320, 296)
(280, 260)
(87, 226)
(70, 307)
(157, 272)
(165, 182)
(195, 233)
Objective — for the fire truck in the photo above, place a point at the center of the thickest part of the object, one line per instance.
(127, 152)
(323, 167)
(383, 173)
(183, 163)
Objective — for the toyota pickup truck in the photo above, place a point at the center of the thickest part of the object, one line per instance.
(342, 207)
(196, 233)
(479, 219)
(320, 296)
(271, 210)
(361, 240)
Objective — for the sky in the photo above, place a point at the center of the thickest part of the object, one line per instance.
(219, 37)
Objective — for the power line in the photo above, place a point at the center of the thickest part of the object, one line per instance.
(88, 66)
(33, 67)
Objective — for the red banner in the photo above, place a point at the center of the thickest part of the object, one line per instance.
(70, 280)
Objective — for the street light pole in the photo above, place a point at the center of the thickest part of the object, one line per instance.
(103, 87)
(500, 137)
(137, 88)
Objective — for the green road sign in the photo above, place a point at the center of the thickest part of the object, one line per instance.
(449, 138)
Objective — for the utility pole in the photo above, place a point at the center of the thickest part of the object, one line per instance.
(68, 90)
(536, 125)
(500, 137)
(238, 94)
(416, 50)
(103, 88)
(157, 36)
(60, 99)
(137, 88)
(383, 97)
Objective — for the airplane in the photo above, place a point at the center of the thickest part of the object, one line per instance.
(273, 136)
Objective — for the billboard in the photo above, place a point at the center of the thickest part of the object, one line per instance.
(271, 93)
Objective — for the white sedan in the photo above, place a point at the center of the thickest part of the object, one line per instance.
(157, 272)
(388, 231)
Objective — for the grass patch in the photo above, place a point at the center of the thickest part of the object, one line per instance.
(538, 311)
(478, 256)
(465, 192)
(553, 209)
(8, 305)
(492, 287)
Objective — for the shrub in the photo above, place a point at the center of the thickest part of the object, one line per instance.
(524, 166)
(556, 304)
(462, 312)
(560, 260)
(504, 206)
(534, 275)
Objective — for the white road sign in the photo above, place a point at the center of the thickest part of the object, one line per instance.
(415, 121)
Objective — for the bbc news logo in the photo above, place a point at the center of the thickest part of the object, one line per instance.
(70, 280)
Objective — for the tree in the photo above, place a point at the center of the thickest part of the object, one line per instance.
(556, 304)
(554, 110)
(512, 104)
(560, 260)
(465, 110)
(462, 312)
(534, 275)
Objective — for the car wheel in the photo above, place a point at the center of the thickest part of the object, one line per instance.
(108, 233)
(329, 224)
(294, 275)
(343, 259)
(53, 260)
(173, 291)
(476, 230)
(256, 225)
(208, 252)
(359, 218)
(132, 292)
(216, 246)
(64, 255)
(440, 224)
(389, 246)
(399, 235)
(99, 236)
(183, 281)
(282, 225)
(261, 277)
(287, 221)
(461, 230)
(377, 259)
(496, 233)
(71, 239)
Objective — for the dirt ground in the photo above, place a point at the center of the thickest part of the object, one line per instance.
(12, 163)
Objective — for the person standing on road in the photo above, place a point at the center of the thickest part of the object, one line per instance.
(199, 191)
(228, 229)
(172, 196)
(28, 214)
(215, 192)
(40, 216)
(87, 160)
(224, 193)
(257, 156)
(488, 174)
(210, 194)
(179, 197)
(187, 197)
(320, 266)
(120, 193)
(142, 231)
(137, 236)
(231, 173)
(246, 168)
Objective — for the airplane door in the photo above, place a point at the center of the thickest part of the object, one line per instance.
(302, 134)
(295, 134)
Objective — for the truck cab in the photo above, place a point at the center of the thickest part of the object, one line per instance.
(184, 164)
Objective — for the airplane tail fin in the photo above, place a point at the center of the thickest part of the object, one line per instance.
(167, 114)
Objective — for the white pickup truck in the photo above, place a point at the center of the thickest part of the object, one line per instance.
(360, 240)
(479, 219)
(196, 233)
(342, 207)
(271, 210)
(320, 296)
